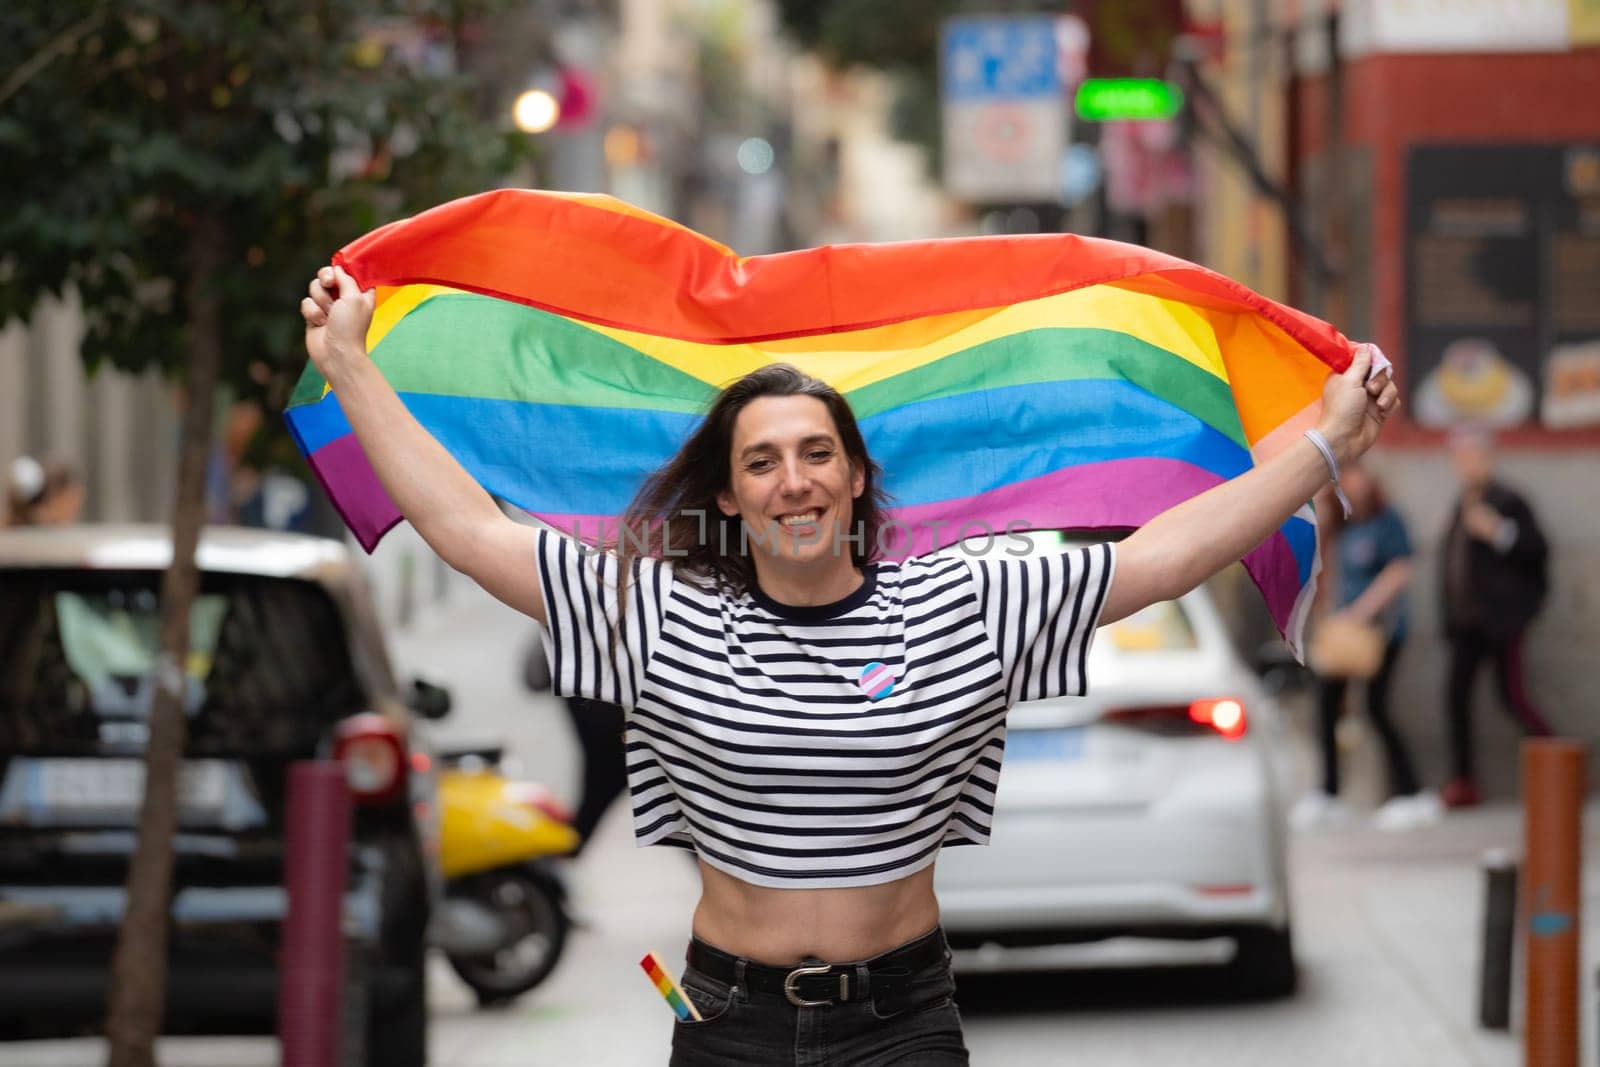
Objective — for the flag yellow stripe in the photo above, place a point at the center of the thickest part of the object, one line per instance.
(851, 359)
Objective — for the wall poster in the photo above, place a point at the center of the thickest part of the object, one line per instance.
(1503, 284)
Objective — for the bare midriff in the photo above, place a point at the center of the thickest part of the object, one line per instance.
(783, 927)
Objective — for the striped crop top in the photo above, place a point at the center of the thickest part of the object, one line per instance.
(821, 746)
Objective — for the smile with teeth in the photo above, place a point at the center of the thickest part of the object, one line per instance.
(804, 518)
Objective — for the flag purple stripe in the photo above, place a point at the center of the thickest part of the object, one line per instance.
(361, 500)
(1116, 494)
(1111, 495)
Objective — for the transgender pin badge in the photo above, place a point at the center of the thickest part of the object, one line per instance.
(877, 681)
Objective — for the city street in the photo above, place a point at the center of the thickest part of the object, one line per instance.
(1296, 302)
(1386, 925)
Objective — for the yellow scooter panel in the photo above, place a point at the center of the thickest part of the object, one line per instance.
(487, 821)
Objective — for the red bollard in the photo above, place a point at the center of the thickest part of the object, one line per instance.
(311, 961)
(1552, 806)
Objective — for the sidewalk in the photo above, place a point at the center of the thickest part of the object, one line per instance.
(1418, 899)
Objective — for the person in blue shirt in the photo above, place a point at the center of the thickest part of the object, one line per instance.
(1371, 560)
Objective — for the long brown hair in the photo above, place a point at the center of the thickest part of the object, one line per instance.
(676, 507)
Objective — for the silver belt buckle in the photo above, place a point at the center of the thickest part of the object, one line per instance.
(792, 994)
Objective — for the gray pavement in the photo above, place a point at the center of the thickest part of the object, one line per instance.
(1386, 927)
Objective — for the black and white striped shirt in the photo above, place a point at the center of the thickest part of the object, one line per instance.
(768, 737)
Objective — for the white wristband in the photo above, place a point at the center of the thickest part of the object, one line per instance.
(1314, 435)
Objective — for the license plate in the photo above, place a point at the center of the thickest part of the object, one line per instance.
(89, 786)
(1062, 745)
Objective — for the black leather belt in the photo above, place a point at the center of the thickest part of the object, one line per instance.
(814, 983)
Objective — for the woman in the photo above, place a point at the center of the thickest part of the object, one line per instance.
(1372, 570)
(817, 931)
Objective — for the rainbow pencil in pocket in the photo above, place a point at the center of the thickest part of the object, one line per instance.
(676, 998)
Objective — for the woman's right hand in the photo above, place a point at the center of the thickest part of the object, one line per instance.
(1355, 406)
(337, 315)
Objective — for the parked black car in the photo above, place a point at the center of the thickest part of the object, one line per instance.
(287, 662)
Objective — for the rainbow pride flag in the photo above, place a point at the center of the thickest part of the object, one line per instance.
(669, 989)
(563, 346)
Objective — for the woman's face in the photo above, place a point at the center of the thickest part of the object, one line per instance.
(791, 481)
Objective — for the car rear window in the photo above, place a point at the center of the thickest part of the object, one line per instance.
(1161, 627)
(268, 664)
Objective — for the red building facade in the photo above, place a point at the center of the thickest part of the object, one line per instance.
(1494, 256)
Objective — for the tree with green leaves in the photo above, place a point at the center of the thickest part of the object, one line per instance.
(185, 166)
(898, 37)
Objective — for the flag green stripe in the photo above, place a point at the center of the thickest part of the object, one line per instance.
(538, 356)
(309, 389)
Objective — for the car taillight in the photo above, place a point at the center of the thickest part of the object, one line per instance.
(374, 757)
(1224, 715)
(539, 799)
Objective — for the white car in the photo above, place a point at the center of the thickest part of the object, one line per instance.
(1151, 808)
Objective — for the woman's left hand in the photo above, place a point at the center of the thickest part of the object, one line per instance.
(1354, 409)
(1481, 520)
(1352, 614)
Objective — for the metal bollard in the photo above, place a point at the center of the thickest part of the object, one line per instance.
(311, 963)
(1499, 937)
(353, 1007)
(407, 602)
(1552, 804)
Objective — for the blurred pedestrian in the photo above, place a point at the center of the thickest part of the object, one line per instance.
(1372, 565)
(598, 726)
(40, 494)
(1493, 581)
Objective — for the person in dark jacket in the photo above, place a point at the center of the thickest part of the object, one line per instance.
(1493, 580)
(598, 727)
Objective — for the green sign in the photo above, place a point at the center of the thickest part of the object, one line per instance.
(1105, 99)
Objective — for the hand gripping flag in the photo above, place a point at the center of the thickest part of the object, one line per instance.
(563, 346)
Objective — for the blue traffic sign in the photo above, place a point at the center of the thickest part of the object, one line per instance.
(999, 58)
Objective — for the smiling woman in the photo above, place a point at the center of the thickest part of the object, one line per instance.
(816, 720)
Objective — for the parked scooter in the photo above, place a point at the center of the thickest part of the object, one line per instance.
(504, 920)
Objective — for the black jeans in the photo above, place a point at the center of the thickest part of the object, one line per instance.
(1468, 650)
(916, 1024)
(1402, 776)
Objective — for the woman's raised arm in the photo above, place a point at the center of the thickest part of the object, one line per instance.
(1186, 544)
(452, 512)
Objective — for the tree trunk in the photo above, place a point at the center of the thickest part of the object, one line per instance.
(137, 997)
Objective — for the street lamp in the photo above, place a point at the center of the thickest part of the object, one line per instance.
(755, 155)
(535, 111)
